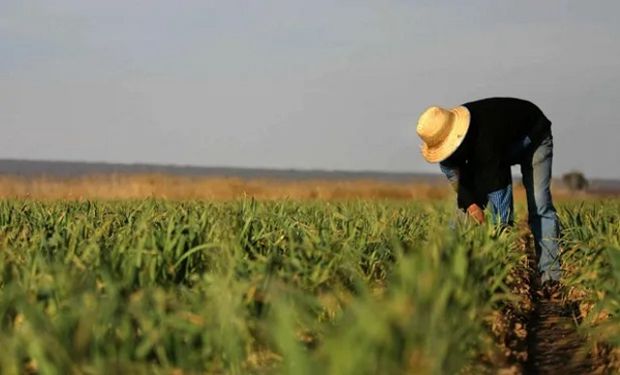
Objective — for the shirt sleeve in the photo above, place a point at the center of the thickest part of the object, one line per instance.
(465, 195)
(452, 173)
(461, 185)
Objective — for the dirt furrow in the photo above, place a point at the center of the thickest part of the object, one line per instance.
(554, 345)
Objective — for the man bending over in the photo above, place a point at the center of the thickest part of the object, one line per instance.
(476, 143)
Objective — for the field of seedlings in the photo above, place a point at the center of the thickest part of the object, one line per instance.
(351, 287)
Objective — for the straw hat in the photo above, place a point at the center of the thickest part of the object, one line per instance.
(442, 131)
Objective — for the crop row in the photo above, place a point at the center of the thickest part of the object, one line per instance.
(591, 241)
(245, 287)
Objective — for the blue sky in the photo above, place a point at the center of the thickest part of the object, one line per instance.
(297, 84)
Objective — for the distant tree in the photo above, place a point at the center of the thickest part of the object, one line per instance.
(575, 181)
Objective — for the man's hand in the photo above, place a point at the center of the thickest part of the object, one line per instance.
(476, 213)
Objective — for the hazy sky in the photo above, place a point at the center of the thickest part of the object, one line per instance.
(297, 83)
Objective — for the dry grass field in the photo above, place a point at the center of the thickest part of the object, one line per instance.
(135, 186)
(122, 186)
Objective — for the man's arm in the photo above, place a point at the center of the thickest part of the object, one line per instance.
(452, 173)
(465, 199)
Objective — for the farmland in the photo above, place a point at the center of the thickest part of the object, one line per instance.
(288, 286)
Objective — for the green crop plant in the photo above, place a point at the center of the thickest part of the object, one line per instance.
(151, 286)
(592, 266)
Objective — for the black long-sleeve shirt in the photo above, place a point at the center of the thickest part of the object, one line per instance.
(483, 157)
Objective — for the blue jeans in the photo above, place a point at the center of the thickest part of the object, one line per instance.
(543, 219)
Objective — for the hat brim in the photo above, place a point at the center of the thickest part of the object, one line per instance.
(454, 139)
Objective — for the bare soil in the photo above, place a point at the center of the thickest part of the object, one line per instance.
(554, 345)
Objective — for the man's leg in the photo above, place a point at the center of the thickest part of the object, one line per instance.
(543, 220)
